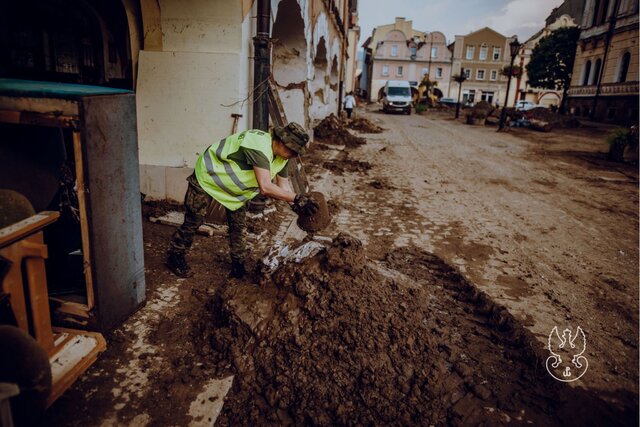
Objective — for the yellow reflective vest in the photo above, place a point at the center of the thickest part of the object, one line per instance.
(222, 178)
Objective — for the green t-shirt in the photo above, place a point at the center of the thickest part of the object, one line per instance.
(246, 158)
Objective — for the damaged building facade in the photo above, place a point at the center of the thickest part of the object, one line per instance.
(189, 63)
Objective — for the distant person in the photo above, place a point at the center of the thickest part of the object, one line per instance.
(349, 104)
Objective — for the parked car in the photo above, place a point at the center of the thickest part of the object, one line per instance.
(448, 101)
(396, 96)
(526, 105)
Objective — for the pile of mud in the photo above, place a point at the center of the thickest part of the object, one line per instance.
(328, 341)
(363, 125)
(553, 118)
(336, 339)
(331, 130)
(482, 109)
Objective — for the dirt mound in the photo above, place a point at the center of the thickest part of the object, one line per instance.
(332, 131)
(346, 165)
(334, 339)
(329, 341)
(553, 118)
(363, 125)
(482, 109)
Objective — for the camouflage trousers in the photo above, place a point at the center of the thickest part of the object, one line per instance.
(197, 203)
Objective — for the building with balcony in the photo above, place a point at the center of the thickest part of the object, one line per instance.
(482, 54)
(399, 52)
(604, 85)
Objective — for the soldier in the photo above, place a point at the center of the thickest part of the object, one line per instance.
(233, 171)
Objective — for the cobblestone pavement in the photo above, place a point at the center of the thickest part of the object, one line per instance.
(534, 221)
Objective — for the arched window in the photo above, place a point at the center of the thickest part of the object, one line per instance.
(624, 67)
(595, 77)
(585, 73)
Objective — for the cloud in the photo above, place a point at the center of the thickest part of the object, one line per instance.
(520, 17)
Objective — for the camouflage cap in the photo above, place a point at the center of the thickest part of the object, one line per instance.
(293, 136)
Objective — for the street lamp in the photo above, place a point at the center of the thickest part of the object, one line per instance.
(459, 79)
(514, 46)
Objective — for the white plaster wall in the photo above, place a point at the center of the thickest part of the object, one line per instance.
(201, 25)
(187, 92)
(179, 96)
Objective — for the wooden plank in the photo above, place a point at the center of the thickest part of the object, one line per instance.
(27, 226)
(12, 285)
(62, 383)
(38, 119)
(34, 254)
(84, 225)
(69, 307)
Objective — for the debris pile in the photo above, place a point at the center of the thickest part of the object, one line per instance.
(482, 109)
(329, 341)
(332, 130)
(554, 119)
(363, 125)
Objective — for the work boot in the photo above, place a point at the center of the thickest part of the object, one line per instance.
(178, 265)
(237, 269)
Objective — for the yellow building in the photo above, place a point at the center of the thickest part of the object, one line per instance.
(604, 85)
(482, 55)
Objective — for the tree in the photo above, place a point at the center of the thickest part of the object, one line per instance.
(515, 71)
(459, 78)
(552, 60)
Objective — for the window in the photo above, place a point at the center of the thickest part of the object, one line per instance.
(385, 70)
(414, 51)
(480, 75)
(487, 96)
(439, 72)
(467, 73)
(399, 91)
(494, 74)
(425, 71)
(470, 51)
(497, 51)
(624, 67)
(483, 53)
(600, 12)
(595, 76)
(399, 71)
(394, 50)
(434, 52)
(468, 96)
(586, 71)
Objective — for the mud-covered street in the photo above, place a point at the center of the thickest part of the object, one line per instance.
(474, 245)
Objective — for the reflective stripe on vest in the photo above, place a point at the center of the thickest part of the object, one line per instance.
(223, 179)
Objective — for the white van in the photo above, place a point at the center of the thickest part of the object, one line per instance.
(396, 96)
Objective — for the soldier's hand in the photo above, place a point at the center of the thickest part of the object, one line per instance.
(304, 204)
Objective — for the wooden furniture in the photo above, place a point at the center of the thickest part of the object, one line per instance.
(98, 125)
(70, 351)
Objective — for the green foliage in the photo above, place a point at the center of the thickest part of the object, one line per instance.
(623, 136)
(460, 78)
(420, 108)
(515, 71)
(552, 59)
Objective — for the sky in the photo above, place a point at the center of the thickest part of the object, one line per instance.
(520, 17)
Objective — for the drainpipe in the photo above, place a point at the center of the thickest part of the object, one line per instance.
(607, 42)
(261, 66)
